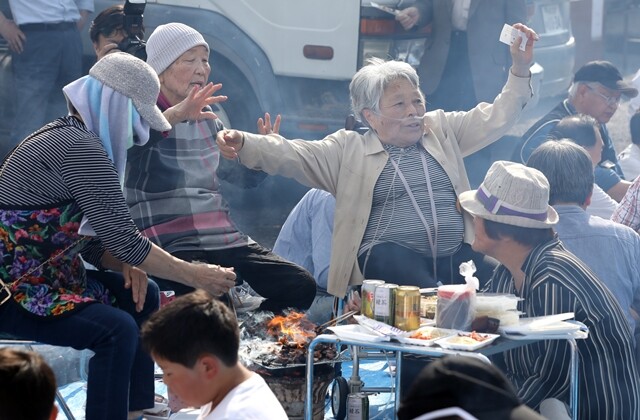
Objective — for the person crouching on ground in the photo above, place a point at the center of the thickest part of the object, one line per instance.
(173, 183)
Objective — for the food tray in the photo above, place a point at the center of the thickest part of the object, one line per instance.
(436, 334)
(357, 332)
(542, 325)
(451, 344)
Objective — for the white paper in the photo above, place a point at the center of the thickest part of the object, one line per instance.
(509, 35)
(387, 9)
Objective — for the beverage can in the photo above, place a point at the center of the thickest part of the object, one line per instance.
(428, 306)
(368, 296)
(385, 303)
(167, 296)
(407, 308)
(358, 406)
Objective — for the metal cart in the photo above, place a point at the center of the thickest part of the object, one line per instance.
(499, 346)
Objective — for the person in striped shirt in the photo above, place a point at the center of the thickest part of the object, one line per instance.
(173, 183)
(513, 223)
(61, 202)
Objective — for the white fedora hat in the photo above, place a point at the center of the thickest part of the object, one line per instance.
(512, 194)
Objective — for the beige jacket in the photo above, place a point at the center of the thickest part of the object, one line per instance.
(348, 164)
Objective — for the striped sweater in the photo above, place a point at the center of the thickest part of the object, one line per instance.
(51, 180)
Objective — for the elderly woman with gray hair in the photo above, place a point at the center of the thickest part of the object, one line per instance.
(396, 186)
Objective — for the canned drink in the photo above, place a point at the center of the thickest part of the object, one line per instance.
(407, 308)
(167, 296)
(428, 306)
(368, 296)
(358, 406)
(385, 303)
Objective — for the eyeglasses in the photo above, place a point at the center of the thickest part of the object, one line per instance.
(610, 100)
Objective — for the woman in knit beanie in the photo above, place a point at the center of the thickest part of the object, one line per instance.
(173, 181)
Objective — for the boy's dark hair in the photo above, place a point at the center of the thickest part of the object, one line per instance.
(579, 128)
(634, 126)
(107, 22)
(522, 235)
(28, 385)
(191, 326)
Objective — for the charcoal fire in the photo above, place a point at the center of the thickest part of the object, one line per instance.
(282, 341)
(276, 348)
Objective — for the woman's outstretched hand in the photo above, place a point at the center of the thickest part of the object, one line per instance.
(191, 108)
(230, 142)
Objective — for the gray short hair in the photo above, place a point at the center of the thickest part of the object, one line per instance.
(368, 84)
(567, 167)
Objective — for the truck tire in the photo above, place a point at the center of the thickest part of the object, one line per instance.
(241, 110)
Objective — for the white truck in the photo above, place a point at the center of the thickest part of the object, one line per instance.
(293, 57)
(296, 57)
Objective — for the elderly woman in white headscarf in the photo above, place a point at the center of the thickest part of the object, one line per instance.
(61, 198)
(396, 186)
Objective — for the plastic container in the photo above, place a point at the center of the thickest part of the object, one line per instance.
(455, 307)
(503, 307)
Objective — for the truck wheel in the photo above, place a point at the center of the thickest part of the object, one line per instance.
(223, 117)
(241, 110)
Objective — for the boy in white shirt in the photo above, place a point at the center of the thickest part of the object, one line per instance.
(195, 340)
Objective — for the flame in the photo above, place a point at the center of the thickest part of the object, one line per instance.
(294, 327)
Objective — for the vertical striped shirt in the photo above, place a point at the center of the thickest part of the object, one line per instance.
(393, 216)
(556, 281)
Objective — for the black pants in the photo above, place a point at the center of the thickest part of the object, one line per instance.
(283, 283)
(397, 264)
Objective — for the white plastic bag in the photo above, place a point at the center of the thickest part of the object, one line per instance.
(456, 302)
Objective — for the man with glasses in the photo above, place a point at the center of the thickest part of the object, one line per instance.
(596, 91)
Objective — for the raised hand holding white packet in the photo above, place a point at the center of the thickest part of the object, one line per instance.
(509, 35)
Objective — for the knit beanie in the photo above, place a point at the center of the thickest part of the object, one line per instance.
(134, 79)
(170, 41)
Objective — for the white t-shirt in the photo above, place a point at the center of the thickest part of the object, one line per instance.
(252, 399)
(602, 205)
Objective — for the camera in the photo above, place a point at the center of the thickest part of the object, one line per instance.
(134, 44)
